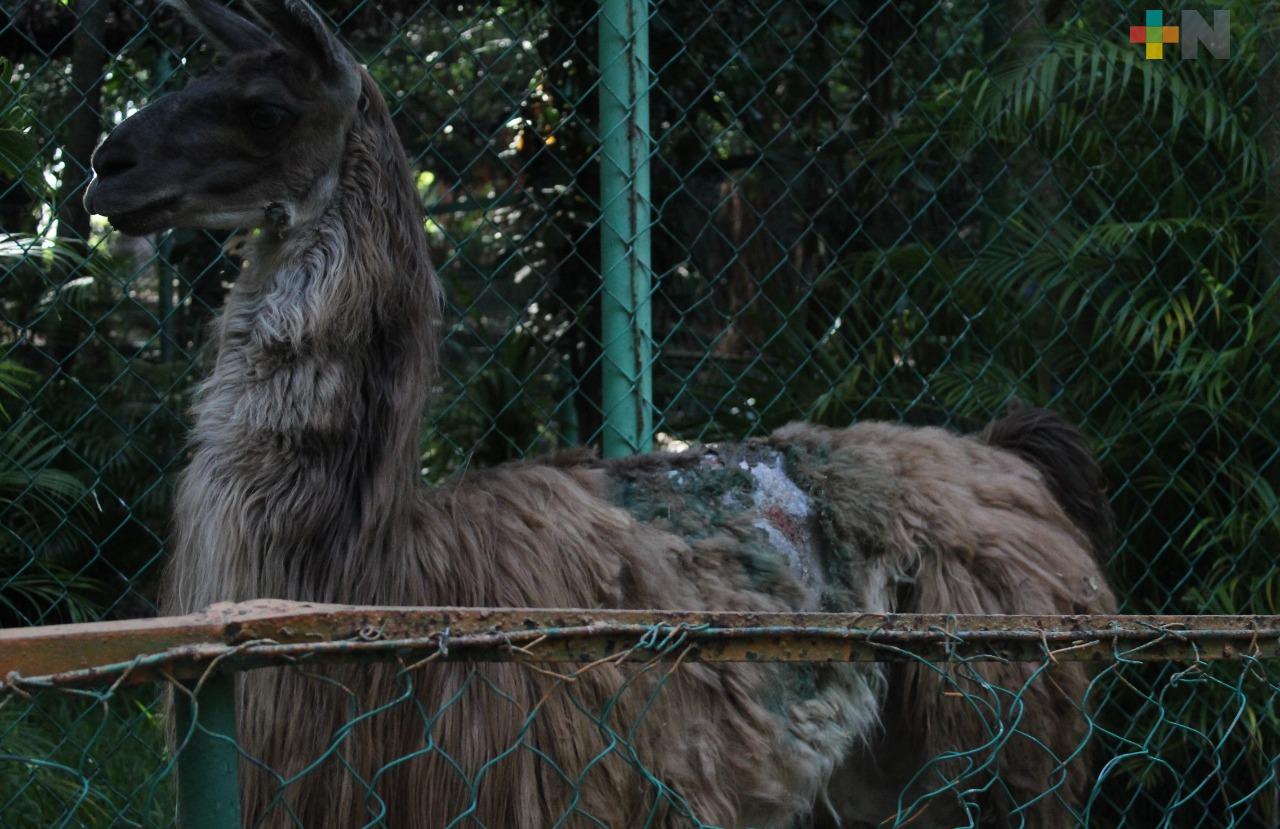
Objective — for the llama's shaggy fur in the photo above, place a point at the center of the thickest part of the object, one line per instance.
(303, 484)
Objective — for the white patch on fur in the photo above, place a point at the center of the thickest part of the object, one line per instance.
(776, 489)
(779, 502)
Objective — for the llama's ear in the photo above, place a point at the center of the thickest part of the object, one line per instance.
(305, 29)
(228, 30)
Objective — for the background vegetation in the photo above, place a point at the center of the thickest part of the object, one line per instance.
(913, 210)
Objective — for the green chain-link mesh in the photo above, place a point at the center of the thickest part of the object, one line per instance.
(1161, 744)
(862, 209)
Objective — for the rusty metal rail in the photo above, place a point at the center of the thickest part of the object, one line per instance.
(262, 633)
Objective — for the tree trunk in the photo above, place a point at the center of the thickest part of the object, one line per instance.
(885, 34)
(88, 60)
(17, 207)
(883, 37)
(1036, 185)
(83, 128)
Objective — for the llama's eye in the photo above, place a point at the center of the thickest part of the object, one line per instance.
(267, 117)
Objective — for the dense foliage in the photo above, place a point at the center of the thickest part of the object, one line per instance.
(913, 211)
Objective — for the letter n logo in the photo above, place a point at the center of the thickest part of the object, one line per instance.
(1196, 33)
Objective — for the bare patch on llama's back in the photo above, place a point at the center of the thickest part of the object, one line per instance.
(743, 490)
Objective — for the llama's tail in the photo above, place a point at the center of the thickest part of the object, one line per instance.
(1059, 451)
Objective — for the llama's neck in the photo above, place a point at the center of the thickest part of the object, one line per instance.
(306, 436)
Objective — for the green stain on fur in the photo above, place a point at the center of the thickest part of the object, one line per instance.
(707, 498)
(707, 503)
(764, 565)
(692, 501)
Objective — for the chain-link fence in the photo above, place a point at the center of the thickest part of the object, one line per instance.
(594, 737)
(914, 211)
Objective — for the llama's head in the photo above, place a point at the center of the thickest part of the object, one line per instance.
(258, 142)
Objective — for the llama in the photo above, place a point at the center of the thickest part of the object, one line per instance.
(303, 484)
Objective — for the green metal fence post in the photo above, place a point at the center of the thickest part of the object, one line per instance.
(625, 263)
(208, 768)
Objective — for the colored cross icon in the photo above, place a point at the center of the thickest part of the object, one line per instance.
(1154, 35)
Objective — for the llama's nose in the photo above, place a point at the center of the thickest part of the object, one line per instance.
(113, 159)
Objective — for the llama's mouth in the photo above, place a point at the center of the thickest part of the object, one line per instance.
(128, 210)
(146, 219)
